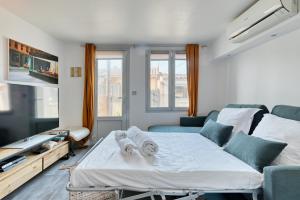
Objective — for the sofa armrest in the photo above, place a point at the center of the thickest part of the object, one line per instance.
(192, 121)
(281, 182)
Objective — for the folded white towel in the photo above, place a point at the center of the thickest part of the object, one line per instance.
(120, 135)
(144, 143)
(127, 146)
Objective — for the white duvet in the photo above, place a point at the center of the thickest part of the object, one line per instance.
(184, 161)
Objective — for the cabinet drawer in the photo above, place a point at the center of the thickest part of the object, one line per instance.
(55, 155)
(17, 179)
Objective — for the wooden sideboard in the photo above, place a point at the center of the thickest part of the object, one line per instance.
(33, 165)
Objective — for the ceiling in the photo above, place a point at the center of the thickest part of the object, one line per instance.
(130, 21)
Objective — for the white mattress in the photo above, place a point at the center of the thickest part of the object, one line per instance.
(184, 161)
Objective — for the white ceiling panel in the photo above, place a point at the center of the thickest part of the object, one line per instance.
(129, 21)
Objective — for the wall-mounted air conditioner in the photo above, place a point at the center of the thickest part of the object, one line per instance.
(261, 16)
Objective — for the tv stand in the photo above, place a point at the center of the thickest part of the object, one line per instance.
(30, 142)
(29, 168)
(11, 162)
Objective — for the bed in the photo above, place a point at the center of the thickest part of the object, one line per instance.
(201, 168)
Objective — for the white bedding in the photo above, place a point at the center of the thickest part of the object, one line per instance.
(184, 161)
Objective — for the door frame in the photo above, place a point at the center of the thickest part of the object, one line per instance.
(125, 88)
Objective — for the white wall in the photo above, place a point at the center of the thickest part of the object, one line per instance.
(211, 84)
(70, 96)
(268, 74)
(71, 89)
(222, 47)
(211, 88)
(15, 28)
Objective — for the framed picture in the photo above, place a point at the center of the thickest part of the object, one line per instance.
(75, 72)
(28, 64)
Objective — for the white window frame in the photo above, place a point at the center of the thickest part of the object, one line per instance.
(171, 84)
(126, 64)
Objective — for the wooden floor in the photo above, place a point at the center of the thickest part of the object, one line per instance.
(49, 185)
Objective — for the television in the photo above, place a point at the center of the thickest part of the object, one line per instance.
(26, 111)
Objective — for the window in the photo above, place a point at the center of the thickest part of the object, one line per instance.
(167, 80)
(110, 92)
(159, 80)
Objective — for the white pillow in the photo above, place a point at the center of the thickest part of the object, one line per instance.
(240, 118)
(284, 130)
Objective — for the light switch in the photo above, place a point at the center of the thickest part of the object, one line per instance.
(134, 92)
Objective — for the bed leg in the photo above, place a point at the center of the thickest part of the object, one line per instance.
(255, 195)
(163, 197)
(117, 194)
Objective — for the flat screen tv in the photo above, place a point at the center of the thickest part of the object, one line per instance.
(26, 111)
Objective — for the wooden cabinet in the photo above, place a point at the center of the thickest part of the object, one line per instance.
(55, 155)
(33, 165)
(19, 177)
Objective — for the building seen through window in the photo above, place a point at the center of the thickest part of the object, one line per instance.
(168, 80)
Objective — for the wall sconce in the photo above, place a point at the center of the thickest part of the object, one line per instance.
(75, 72)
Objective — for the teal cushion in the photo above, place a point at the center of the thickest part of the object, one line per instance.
(216, 132)
(192, 121)
(254, 151)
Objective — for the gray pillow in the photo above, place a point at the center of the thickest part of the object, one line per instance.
(254, 151)
(216, 132)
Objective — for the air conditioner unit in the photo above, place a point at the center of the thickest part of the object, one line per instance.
(261, 16)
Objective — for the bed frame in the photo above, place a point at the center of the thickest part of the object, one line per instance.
(188, 194)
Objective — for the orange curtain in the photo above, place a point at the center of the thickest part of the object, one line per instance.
(89, 88)
(192, 56)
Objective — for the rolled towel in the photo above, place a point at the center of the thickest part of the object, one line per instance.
(127, 146)
(144, 143)
(120, 135)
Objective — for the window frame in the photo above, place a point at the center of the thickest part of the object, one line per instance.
(125, 90)
(171, 82)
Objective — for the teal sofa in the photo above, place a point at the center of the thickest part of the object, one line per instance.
(280, 182)
(187, 124)
(194, 124)
(283, 182)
